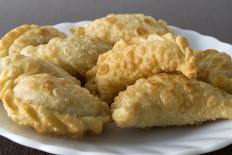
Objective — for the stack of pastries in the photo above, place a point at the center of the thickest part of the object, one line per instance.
(130, 69)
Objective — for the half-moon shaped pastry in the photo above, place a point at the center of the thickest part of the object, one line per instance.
(215, 68)
(114, 27)
(53, 105)
(75, 54)
(129, 61)
(14, 65)
(26, 35)
(170, 100)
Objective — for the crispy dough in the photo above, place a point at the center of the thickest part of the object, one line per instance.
(14, 65)
(170, 100)
(9, 38)
(53, 105)
(75, 54)
(129, 61)
(35, 37)
(215, 68)
(114, 27)
(90, 81)
(26, 35)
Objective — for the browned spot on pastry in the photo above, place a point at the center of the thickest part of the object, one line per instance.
(141, 31)
(49, 86)
(32, 67)
(120, 26)
(103, 69)
(148, 21)
(111, 19)
(43, 32)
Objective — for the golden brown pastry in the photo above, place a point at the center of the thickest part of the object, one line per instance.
(9, 38)
(14, 65)
(215, 68)
(26, 35)
(53, 105)
(75, 54)
(90, 81)
(129, 61)
(170, 100)
(114, 27)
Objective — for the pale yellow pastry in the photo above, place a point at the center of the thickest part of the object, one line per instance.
(75, 54)
(9, 38)
(53, 105)
(215, 68)
(129, 61)
(170, 100)
(26, 35)
(114, 27)
(90, 81)
(14, 65)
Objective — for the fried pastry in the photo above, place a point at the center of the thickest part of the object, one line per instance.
(114, 27)
(90, 81)
(75, 54)
(9, 38)
(26, 35)
(53, 105)
(170, 100)
(14, 65)
(215, 68)
(129, 61)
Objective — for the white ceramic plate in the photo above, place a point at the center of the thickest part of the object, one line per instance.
(172, 141)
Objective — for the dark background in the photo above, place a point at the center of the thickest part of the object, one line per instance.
(211, 17)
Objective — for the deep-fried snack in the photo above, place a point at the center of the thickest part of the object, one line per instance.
(9, 38)
(75, 54)
(26, 35)
(114, 27)
(215, 68)
(53, 105)
(14, 65)
(170, 100)
(90, 81)
(129, 61)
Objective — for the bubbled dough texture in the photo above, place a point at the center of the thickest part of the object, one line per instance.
(34, 37)
(14, 65)
(167, 100)
(215, 68)
(74, 54)
(54, 105)
(9, 38)
(129, 61)
(114, 27)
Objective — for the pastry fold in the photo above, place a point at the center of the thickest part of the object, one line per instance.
(114, 27)
(26, 35)
(215, 68)
(53, 105)
(75, 54)
(15, 65)
(170, 100)
(141, 58)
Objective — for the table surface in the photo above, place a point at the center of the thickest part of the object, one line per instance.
(211, 17)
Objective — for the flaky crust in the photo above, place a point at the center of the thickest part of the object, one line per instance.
(75, 54)
(90, 81)
(170, 100)
(9, 37)
(129, 61)
(35, 37)
(114, 27)
(53, 105)
(215, 68)
(26, 35)
(14, 65)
